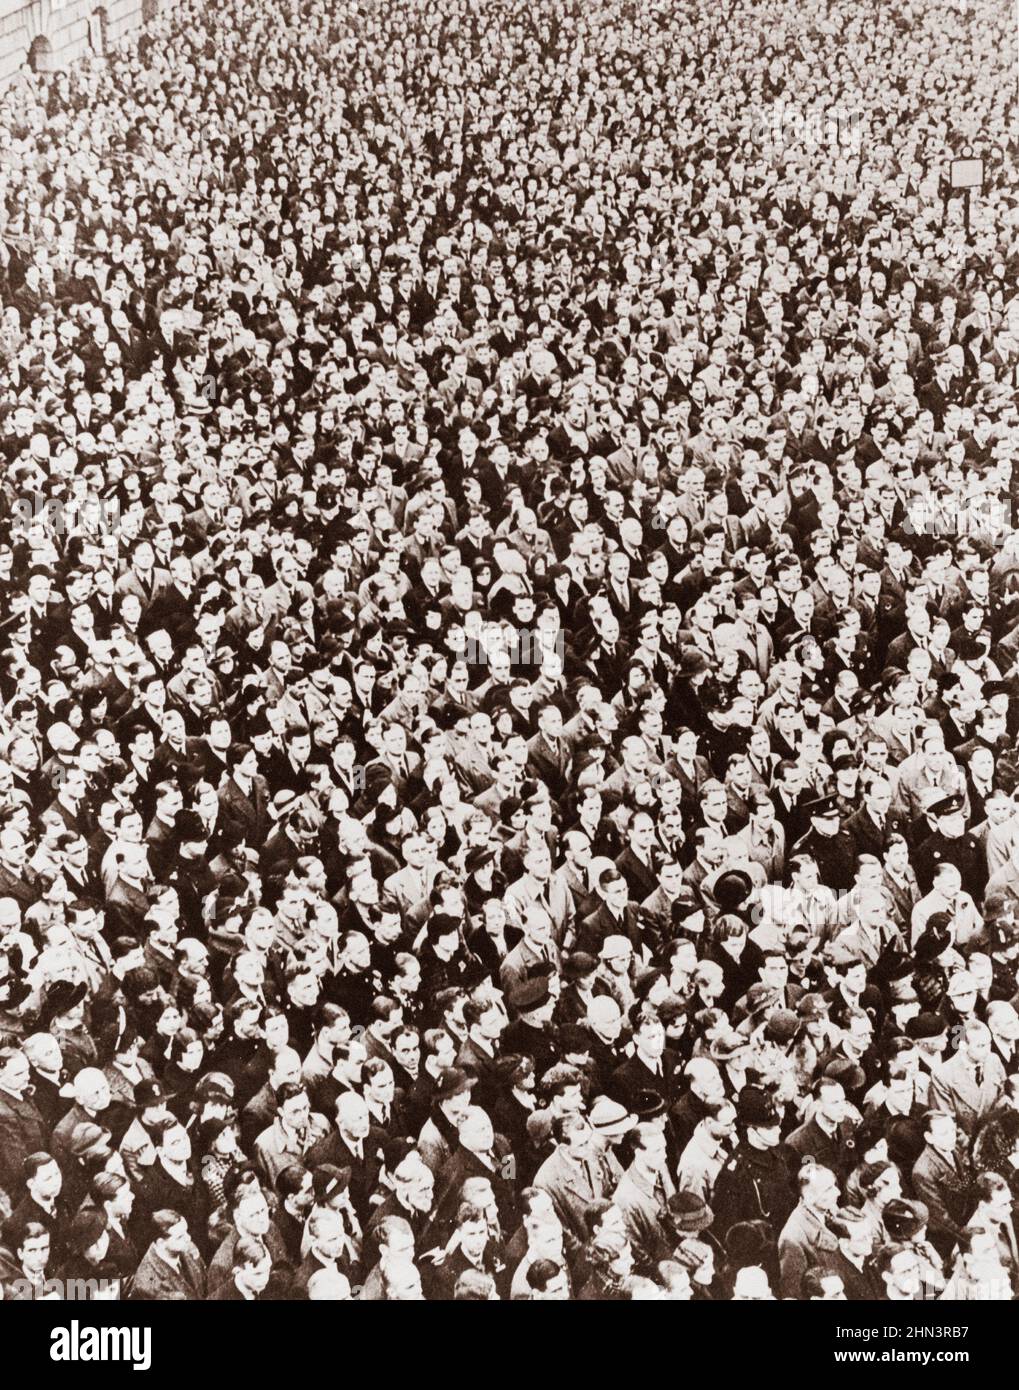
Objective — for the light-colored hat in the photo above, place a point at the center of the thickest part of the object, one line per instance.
(609, 1118)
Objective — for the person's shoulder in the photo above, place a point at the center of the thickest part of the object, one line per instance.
(734, 1164)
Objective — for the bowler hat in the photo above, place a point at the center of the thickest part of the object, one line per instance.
(925, 1025)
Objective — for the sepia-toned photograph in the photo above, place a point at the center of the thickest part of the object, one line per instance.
(509, 657)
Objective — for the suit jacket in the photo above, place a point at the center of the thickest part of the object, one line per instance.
(15, 886)
(516, 965)
(158, 1280)
(573, 1186)
(953, 1088)
(222, 1262)
(552, 766)
(836, 1151)
(868, 837)
(633, 1076)
(556, 902)
(805, 1241)
(644, 1209)
(411, 895)
(274, 1150)
(246, 815)
(21, 1133)
(364, 1170)
(641, 878)
(861, 1285)
(945, 1188)
(159, 580)
(462, 1165)
(474, 1059)
(904, 896)
(594, 928)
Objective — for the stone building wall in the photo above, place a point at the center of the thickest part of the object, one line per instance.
(50, 34)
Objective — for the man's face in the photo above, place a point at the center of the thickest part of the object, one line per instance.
(16, 1073)
(651, 1038)
(978, 1044)
(49, 1181)
(407, 1051)
(34, 1254)
(775, 973)
(903, 1275)
(253, 1214)
(832, 1104)
(296, 1112)
(416, 1186)
(96, 1094)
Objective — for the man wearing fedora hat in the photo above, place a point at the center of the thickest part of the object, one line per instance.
(451, 1096)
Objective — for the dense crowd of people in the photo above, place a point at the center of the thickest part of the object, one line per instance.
(509, 665)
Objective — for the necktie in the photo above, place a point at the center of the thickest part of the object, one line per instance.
(978, 1075)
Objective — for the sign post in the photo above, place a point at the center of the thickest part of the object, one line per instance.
(964, 175)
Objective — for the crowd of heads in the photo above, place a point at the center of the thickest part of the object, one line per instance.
(508, 655)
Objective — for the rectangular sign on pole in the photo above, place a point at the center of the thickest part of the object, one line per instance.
(967, 173)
